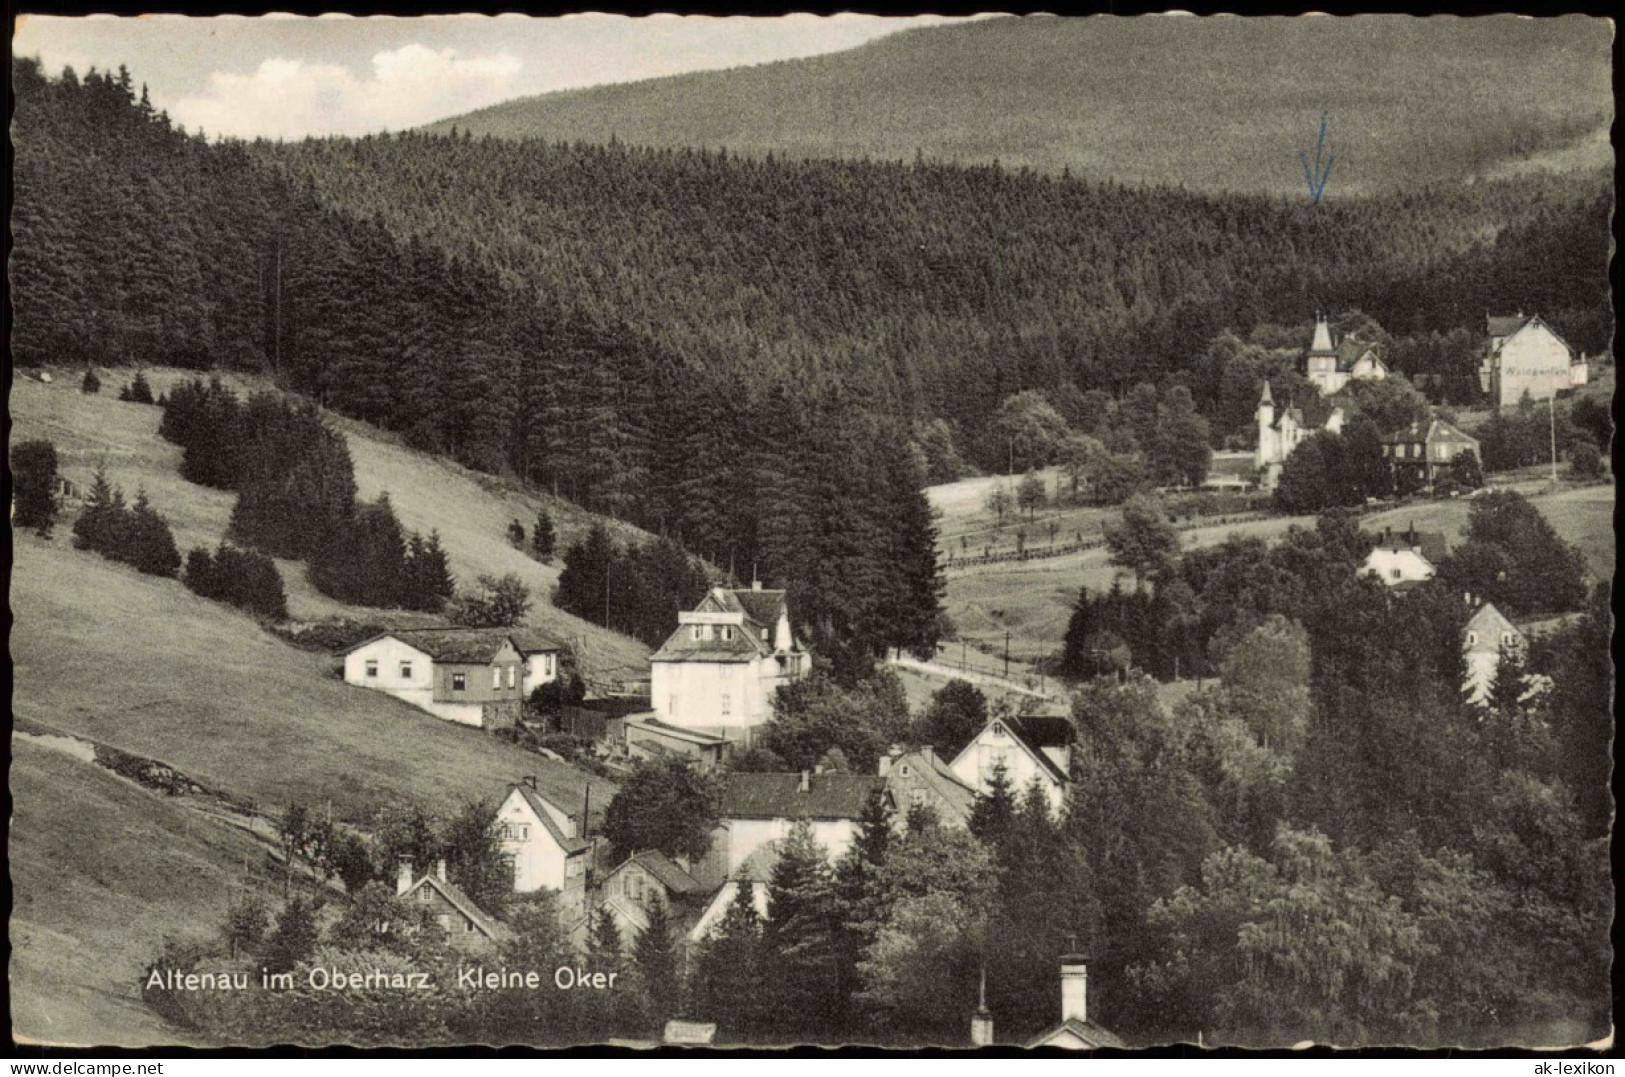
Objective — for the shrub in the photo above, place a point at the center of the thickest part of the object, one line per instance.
(91, 383)
(1585, 462)
(33, 469)
(239, 578)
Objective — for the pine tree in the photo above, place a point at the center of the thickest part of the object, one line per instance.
(91, 383)
(98, 523)
(542, 536)
(294, 937)
(33, 469)
(994, 809)
(150, 546)
(730, 979)
(654, 956)
(801, 938)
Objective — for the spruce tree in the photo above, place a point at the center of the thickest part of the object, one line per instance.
(730, 977)
(654, 956)
(994, 809)
(33, 469)
(801, 938)
(150, 546)
(542, 536)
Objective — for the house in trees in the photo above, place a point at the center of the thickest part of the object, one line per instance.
(755, 873)
(718, 671)
(475, 676)
(1426, 449)
(1487, 636)
(1075, 1032)
(1032, 748)
(1404, 559)
(758, 808)
(924, 779)
(1523, 355)
(541, 654)
(634, 885)
(547, 846)
(1279, 435)
(1331, 366)
(466, 925)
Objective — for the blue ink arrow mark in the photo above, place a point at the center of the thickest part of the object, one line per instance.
(1316, 176)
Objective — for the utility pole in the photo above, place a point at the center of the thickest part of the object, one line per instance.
(1551, 413)
(1006, 654)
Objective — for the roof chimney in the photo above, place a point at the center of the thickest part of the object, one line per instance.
(1074, 987)
(806, 781)
(981, 1025)
(440, 870)
(530, 780)
(403, 877)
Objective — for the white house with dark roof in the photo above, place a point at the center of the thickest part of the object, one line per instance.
(755, 809)
(473, 676)
(466, 925)
(1402, 559)
(1032, 748)
(755, 874)
(545, 844)
(718, 671)
(1332, 366)
(1522, 354)
(1427, 448)
(1280, 435)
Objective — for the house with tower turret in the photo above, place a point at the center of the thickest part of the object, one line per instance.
(1279, 435)
(1333, 365)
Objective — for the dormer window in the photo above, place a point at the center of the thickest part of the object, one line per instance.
(699, 632)
(727, 633)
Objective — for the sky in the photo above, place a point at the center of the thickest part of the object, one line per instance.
(288, 76)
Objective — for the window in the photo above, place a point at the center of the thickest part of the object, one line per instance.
(406, 671)
(468, 925)
(458, 682)
(552, 666)
(372, 667)
(634, 886)
(727, 633)
(697, 633)
(726, 709)
(496, 677)
(671, 705)
(1396, 573)
(1472, 638)
(513, 672)
(424, 897)
(1506, 639)
(515, 831)
(572, 868)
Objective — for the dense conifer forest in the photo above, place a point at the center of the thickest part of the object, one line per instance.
(734, 353)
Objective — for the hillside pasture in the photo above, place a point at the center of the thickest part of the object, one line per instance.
(102, 872)
(144, 665)
(470, 511)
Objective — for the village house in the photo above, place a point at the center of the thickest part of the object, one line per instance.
(1075, 1032)
(1427, 448)
(467, 927)
(541, 654)
(634, 885)
(1332, 366)
(758, 808)
(473, 676)
(1032, 748)
(718, 671)
(1523, 355)
(547, 847)
(1279, 436)
(922, 779)
(1487, 635)
(1403, 559)
(755, 873)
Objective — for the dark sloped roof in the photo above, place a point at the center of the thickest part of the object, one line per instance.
(464, 904)
(447, 644)
(1431, 544)
(1430, 432)
(779, 796)
(672, 877)
(763, 607)
(1087, 1031)
(1044, 730)
(681, 644)
(539, 806)
(533, 641)
(692, 735)
(933, 772)
(1504, 326)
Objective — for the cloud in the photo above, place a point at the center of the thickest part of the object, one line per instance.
(285, 98)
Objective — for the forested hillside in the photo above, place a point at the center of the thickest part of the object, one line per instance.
(1210, 103)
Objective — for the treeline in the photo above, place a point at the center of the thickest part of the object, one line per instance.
(296, 498)
(222, 260)
(632, 589)
(239, 578)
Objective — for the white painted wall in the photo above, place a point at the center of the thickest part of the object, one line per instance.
(1532, 360)
(974, 766)
(540, 669)
(744, 836)
(538, 860)
(1394, 567)
(710, 695)
(390, 658)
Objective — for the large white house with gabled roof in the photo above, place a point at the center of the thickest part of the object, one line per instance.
(544, 842)
(718, 671)
(1522, 355)
(1032, 748)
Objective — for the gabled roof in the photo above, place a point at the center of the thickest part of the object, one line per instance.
(463, 646)
(1432, 545)
(539, 805)
(666, 873)
(529, 641)
(934, 773)
(681, 645)
(1087, 1031)
(1431, 432)
(779, 796)
(763, 607)
(464, 904)
(1504, 326)
(1487, 617)
(1034, 733)
(1499, 327)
